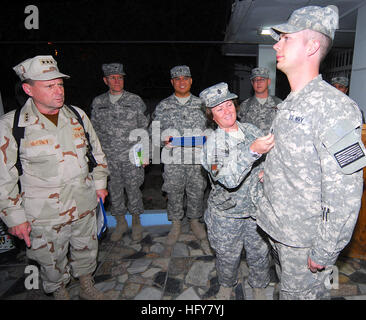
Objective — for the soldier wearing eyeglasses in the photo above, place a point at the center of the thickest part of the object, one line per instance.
(114, 115)
(260, 109)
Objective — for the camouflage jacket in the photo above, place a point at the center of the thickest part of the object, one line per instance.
(57, 187)
(113, 123)
(229, 163)
(179, 120)
(308, 201)
(260, 115)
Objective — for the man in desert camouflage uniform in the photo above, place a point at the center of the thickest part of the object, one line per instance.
(228, 156)
(260, 109)
(341, 83)
(56, 205)
(180, 115)
(313, 176)
(114, 115)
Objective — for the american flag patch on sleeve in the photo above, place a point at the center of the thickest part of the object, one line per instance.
(349, 155)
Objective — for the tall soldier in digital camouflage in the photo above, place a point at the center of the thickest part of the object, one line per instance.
(181, 114)
(114, 115)
(313, 175)
(55, 210)
(261, 108)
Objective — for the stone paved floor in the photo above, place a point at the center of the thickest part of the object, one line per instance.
(150, 271)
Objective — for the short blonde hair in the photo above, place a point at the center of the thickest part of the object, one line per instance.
(324, 41)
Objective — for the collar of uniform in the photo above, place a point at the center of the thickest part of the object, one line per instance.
(28, 114)
(309, 87)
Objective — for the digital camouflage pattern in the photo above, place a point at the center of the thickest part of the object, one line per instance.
(219, 93)
(261, 115)
(184, 171)
(113, 124)
(229, 162)
(112, 68)
(341, 80)
(229, 225)
(58, 192)
(297, 281)
(309, 201)
(180, 71)
(259, 72)
(323, 20)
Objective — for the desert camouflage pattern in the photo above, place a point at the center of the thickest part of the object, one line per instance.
(57, 187)
(308, 201)
(297, 281)
(230, 226)
(113, 123)
(323, 20)
(261, 115)
(229, 162)
(184, 172)
(58, 194)
(51, 246)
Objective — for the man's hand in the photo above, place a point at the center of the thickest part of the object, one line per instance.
(22, 231)
(263, 144)
(102, 193)
(260, 175)
(314, 267)
(167, 143)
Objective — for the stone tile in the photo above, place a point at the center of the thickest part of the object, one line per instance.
(345, 268)
(180, 250)
(180, 265)
(149, 294)
(150, 272)
(139, 266)
(358, 277)
(363, 297)
(198, 273)
(173, 286)
(188, 294)
(344, 290)
(160, 278)
(130, 290)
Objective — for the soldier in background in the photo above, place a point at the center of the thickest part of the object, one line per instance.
(178, 113)
(114, 115)
(341, 83)
(261, 108)
(55, 210)
(312, 176)
(228, 156)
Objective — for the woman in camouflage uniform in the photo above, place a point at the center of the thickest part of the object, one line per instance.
(229, 156)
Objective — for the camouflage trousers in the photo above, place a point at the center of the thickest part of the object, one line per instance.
(125, 176)
(297, 282)
(58, 249)
(181, 180)
(227, 237)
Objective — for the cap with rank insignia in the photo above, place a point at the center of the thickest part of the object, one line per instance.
(39, 68)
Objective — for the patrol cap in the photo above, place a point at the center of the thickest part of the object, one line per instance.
(259, 72)
(341, 80)
(39, 68)
(179, 71)
(213, 96)
(320, 19)
(112, 68)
